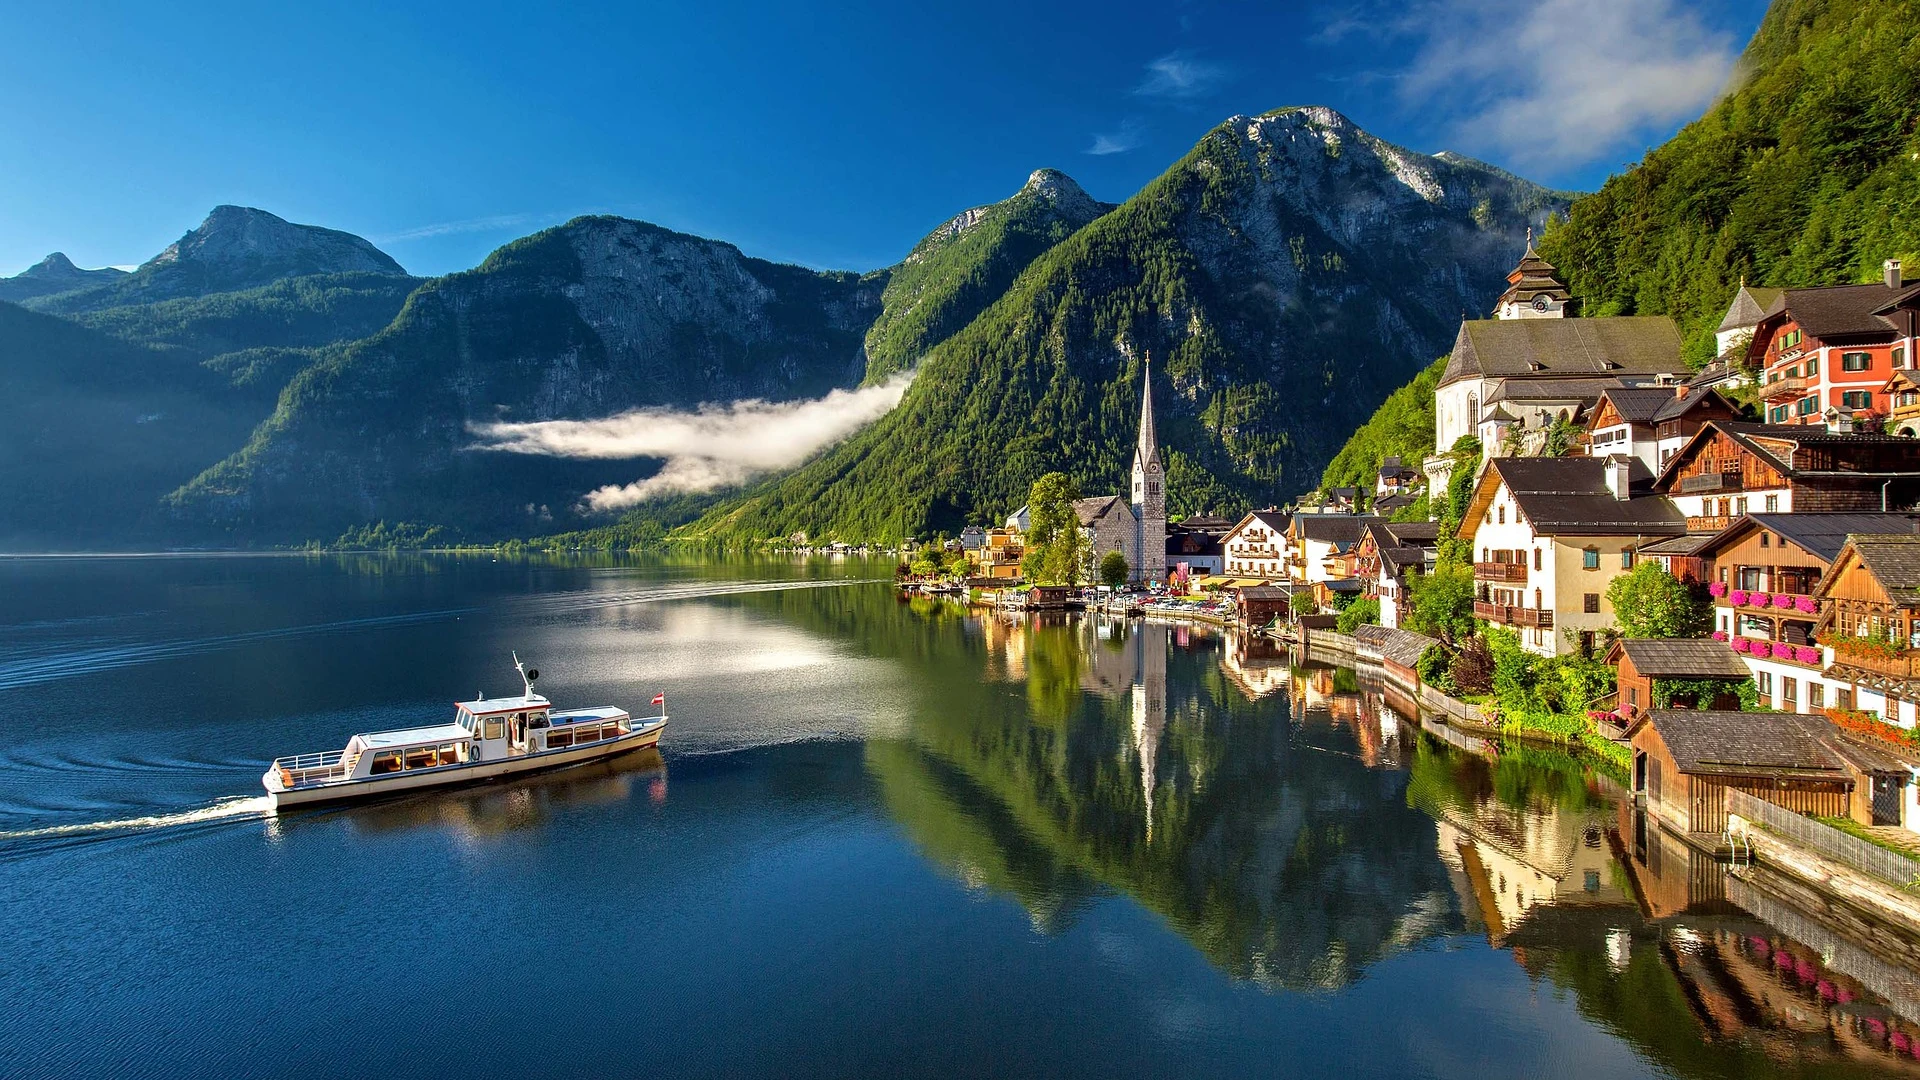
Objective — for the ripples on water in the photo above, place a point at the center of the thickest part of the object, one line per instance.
(884, 838)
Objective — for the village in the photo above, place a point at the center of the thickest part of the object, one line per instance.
(1708, 580)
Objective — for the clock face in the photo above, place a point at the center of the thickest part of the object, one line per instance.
(1539, 303)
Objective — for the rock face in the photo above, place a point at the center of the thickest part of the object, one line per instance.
(54, 274)
(235, 248)
(1284, 276)
(595, 317)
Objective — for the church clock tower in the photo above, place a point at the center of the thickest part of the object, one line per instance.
(1149, 494)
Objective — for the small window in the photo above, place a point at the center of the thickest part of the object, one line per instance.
(1633, 696)
(1807, 405)
(1857, 399)
(1503, 515)
(1765, 536)
(1790, 690)
(1816, 695)
(496, 728)
(1763, 681)
(1626, 560)
(1899, 359)
(1536, 558)
(1740, 507)
(1773, 504)
(1813, 366)
(1591, 603)
(386, 761)
(1590, 559)
(1855, 361)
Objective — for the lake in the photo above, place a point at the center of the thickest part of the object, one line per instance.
(881, 838)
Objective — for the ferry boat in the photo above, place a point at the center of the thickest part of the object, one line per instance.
(487, 738)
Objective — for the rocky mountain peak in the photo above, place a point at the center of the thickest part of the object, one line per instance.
(54, 265)
(245, 239)
(1059, 189)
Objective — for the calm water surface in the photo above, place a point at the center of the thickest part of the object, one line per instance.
(882, 839)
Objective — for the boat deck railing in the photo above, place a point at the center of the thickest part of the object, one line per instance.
(578, 731)
(296, 769)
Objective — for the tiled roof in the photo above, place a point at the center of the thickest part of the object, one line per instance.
(1406, 531)
(1562, 348)
(1684, 658)
(1749, 306)
(1569, 495)
(1819, 535)
(1689, 544)
(1639, 404)
(1677, 406)
(1894, 561)
(1839, 310)
(1092, 510)
(1342, 529)
(1585, 390)
(1712, 741)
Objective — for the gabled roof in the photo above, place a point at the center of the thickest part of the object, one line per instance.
(1749, 306)
(1776, 443)
(1892, 558)
(1677, 406)
(1569, 496)
(1819, 535)
(1682, 546)
(1341, 530)
(1711, 741)
(1561, 348)
(1638, 404)
(1409, 532)
(1683, 658)
(1585, 391)
(1272, 519)
(1840, 310)
(1094, 509)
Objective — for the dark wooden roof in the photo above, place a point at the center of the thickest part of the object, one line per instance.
(1894, 561)
(1339, 529)
(1561, 348)
(1570, 495)
(1677, 406)
(1683, 658)
(1819, 535)
(1709, 741)
(1838, 311)
(1638, 404)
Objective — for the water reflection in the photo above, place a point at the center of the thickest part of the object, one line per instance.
(1297, 825)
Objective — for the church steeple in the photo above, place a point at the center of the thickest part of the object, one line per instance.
(1534, 289)
(1148, 448)
(1149, 492)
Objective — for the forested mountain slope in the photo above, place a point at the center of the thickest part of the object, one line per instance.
(1807, 173)
(1282, 275)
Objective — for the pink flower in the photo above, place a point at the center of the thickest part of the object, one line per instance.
(1718, 588)
(1783, 600)
(1782, 650)
(1760, 599)
(1719, 635)
(1741, 644)
(1806, 604)
(1806, 654)
(1738, 597)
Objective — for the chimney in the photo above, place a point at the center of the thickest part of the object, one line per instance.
(1893, 273)
(1679, 391)
(1617, 481)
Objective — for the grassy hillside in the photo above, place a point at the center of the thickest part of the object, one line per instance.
(1808, 173)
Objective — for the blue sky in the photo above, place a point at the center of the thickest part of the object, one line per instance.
(829, 135)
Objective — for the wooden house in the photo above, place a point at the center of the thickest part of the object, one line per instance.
(1730, 469)
(1870, 620)
(1647, 667)
(1652, 423)
(1685, 761)
(1259, 605)
(1826, 354)
(1387, 551)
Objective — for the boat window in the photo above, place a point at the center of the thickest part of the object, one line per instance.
(423, 757)
(386, 761)
(539, 719)
(496, 728)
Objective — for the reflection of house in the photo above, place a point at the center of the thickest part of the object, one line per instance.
(1256, 664)
(1553, 859)
(1549, 535)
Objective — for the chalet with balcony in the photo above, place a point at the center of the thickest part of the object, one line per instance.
(1869, 603)
(1903, 404)
(1652, 423)
(1387, 552)
(1826, 354)
(1321, 547)
(1395, 478)
(1550, 534)
(1766, 568)
(1256, 548)
(1732, 468)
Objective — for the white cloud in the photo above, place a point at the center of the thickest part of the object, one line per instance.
(711, 447)
(1180, 75)
(1117, 142)
(450, 228)
(1559, 83)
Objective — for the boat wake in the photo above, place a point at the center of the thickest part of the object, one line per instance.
(237, 806)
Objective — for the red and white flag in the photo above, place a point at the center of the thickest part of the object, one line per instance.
(659, 699)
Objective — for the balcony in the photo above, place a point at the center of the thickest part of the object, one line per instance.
(1708, 524)
(1508, 573)
(1788, 388)
(1791, 604)
(1808, 656)
(1509, 615)
(1904, 664)
(1707, 482)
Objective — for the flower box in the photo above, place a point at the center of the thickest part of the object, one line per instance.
(1760, 599)
(1741, 645)
(1717, 589)
(1719, 635)
(1738, 598)
(1783, 651)
(1783, 601)
(1806, 654)
(1806, 603)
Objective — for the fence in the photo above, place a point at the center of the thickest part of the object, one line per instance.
(1825, 840)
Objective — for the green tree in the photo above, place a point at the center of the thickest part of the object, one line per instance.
(1441, 603)
(1114, 569)
(1303, 603)
(1648, 602)
(1056, 548)
(1362, 612)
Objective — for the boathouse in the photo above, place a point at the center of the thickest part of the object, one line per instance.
(1685, 761)
(1659, 674)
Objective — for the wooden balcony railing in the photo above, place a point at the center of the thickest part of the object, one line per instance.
(1506, 572)
(1708, 524)
(1793, 387)
(1903, 665)
(1700, 482)
(1509, 615)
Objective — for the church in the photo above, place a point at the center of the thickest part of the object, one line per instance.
(1135, 524)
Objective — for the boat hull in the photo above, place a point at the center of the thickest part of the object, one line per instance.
(375, 787)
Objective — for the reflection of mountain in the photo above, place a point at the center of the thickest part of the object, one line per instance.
(1132, 765)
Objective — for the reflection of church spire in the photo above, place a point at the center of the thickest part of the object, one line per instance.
(1149, 712)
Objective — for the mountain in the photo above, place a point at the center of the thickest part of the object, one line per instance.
(235, 248)
(98, 431)
(592, 318)
(950, 277)
(1806, 173)
(54, 274)
(1283, 275)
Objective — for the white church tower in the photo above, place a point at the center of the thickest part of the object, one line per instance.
(1149, 494)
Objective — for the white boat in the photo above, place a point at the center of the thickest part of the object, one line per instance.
(488, 738)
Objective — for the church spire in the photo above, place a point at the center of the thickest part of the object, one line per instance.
(1148, 449)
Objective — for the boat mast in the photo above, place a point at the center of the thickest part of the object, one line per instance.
(527, 675)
